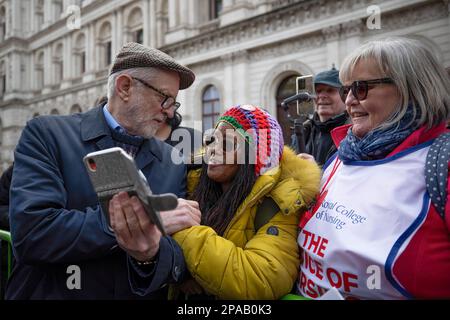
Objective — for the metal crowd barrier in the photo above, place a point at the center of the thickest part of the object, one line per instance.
(5, 236)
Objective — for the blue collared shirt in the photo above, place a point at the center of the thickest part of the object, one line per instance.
(112, 123)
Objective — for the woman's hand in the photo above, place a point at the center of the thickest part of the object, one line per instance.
(306, 156)
(185, 215)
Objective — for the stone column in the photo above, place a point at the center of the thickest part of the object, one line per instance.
(228, 88)
(15, 85)
(352, 31)
(48, 10)
(192, 13)
(91, 60)
(32, 16)
(146, 21)
(331, 35)
(68, 62)
(173, 14)
(183, 12)
(241, 85)
(162, 26)
(152, 32)
(117, 32)
(14, 19)
(47, 69)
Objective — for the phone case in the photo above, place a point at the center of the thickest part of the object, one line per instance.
(112, 171)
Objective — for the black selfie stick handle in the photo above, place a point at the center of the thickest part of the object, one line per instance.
(299, 131)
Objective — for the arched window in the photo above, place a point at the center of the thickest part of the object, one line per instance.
(58, 63)
(286, 89)
(2, 24)
(75, 109)
(2, 78)
(105, 44)
(134, 27)
(39, 70)
(80, 54)
(210, 107)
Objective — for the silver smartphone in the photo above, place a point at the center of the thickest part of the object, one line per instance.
(305, 84)
(113, 170)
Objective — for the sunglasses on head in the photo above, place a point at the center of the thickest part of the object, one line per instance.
(360, 88)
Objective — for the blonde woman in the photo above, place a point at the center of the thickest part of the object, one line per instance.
(374, 233)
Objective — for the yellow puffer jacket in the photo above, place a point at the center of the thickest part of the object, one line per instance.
(247, 265)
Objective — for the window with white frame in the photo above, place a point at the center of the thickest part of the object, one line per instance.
(210, 107)
(134, 26)
(2, 24)
(2, 78)
(80, 54)
(105, 44)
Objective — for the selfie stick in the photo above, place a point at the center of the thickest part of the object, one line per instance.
(298, 123)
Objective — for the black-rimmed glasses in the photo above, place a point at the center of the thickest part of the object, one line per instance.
(168, 101)
(360, 88)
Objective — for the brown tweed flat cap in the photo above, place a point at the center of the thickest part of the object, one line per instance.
(135, 55)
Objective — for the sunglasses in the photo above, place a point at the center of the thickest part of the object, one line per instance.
(361, 88)
(229, 144)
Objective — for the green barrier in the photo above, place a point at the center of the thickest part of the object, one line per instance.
(6, 236)
(291, 296)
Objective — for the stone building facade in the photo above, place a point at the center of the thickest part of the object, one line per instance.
(55, 54)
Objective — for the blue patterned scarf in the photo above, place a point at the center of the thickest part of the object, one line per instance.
(377, 144)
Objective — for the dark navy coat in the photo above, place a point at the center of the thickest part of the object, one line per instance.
(56, 220)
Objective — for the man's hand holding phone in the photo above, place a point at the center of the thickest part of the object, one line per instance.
(134, 231)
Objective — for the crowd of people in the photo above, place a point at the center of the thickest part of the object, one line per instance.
(364, 211)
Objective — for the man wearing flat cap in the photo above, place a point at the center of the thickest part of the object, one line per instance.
(329, 113)
(63, 245)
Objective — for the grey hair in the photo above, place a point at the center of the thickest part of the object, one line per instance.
(420, 79)
(146, 74)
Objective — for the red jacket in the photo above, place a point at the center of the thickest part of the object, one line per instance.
(424, 267)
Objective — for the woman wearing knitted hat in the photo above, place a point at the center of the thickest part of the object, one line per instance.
(251, 191)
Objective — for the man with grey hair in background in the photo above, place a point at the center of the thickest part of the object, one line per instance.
(63, 246)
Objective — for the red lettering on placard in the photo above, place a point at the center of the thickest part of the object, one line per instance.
(347, 284)
(309, 288)
(302, 281)
(315, 267)
(334, 278)
(322, 247)
(312, 289)
(307, 235)
(317, 243)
